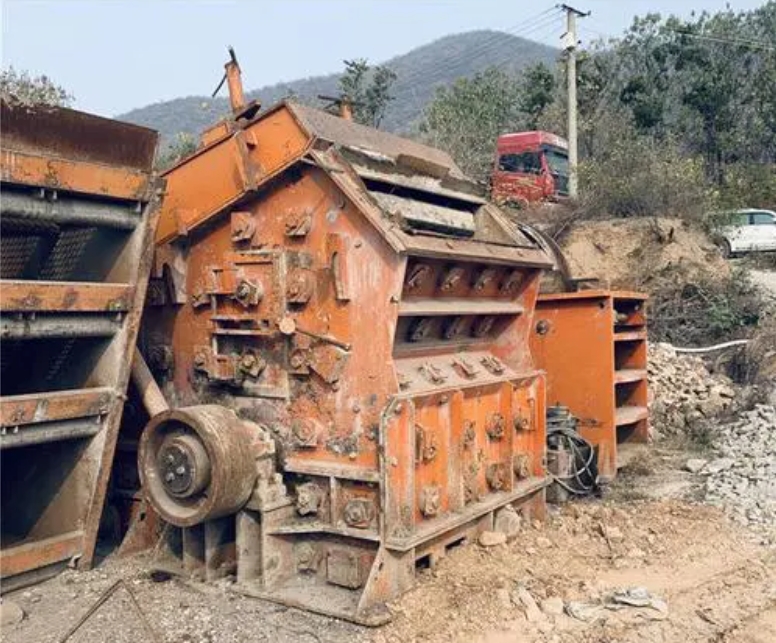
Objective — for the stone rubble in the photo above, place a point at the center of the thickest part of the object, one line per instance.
(683, 392)
(743, 478)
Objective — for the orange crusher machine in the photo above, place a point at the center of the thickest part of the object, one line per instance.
(341, 327)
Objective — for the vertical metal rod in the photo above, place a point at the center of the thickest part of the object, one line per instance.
(234, 82)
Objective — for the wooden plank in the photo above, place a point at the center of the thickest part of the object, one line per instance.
(64, 296)
(19, 410)
(39, 553)
(630, 414)
(456, 306)
(627, 375)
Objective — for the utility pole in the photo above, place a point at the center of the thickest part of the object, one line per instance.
(570, 45)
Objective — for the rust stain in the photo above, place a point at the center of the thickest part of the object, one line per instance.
(70, 298)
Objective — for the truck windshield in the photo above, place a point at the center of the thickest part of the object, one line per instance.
(525, 163)
(558, 160)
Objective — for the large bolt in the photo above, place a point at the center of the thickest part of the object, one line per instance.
(358, 513)
(308, 498)
(430, 501)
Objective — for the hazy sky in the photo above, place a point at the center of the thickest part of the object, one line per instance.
(115, 55)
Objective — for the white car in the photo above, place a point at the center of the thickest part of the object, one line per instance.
(750, 230)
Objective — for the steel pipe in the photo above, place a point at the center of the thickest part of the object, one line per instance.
(150, 393)
(69, 211)
(58, 326)
(49, 432)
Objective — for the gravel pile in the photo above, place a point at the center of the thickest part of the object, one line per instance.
(683, 392)
(743, 478)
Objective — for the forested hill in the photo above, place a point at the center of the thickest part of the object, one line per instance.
(419, 72)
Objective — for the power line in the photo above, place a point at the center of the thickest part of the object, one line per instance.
(527, 27)
(741, 42)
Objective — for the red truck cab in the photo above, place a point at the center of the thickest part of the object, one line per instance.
(530, 167)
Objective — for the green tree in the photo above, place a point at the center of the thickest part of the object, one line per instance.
(538, 87)
(369, 90)
(184, 145)
(467, 117)
(21, 87)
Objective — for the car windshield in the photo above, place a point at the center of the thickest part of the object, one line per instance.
(558, 160)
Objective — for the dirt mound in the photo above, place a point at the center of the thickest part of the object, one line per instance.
(634, 253)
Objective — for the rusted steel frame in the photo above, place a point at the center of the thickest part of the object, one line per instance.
(34, 408)
(150, 393)
(63, 133)
(593, 294)
(70, 211)
(403, 180)
(21, 558)
(59, 325)
(469, 514)
(511, 378)
(462, 249)
(74, 176)
(49, 432)
(350, 183)
(431, 306)
(52, 296)
(344, 471)
(112, 422)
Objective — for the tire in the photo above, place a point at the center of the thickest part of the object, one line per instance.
(725, 249)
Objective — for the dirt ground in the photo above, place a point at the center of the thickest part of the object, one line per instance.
(717, 580)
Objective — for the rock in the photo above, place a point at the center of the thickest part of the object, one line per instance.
(719, 465)
(614, 534)
(586, 612)
(552, 606)
(523, 598)
(492, 538)
(544, 543)
(508, 522)
(503, 598)
(694, 465)
(10, 613)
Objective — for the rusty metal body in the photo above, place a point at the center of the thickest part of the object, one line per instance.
(78, 210)
(593, 346)
(364, 315)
